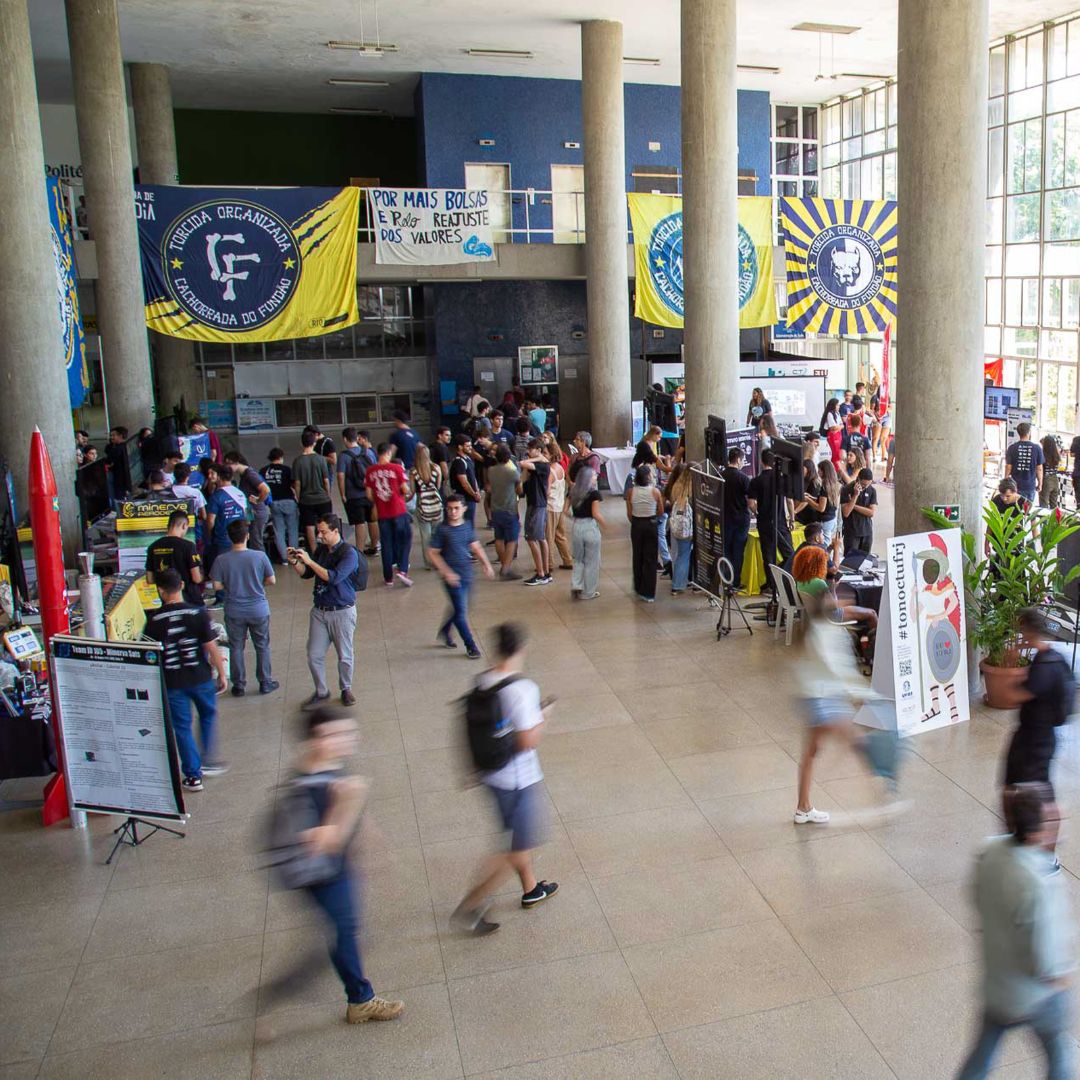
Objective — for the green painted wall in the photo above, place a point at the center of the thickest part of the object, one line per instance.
(219, 147)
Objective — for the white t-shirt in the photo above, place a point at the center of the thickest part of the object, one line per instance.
(521, 699)
(186, 491)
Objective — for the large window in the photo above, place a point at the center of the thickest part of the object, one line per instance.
(858, 144)
(794, 150)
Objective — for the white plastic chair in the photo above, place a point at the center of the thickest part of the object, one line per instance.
(790, 604)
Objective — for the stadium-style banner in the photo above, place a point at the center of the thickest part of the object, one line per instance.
(67, 295)
(263, 264)
(431, 226)
(658, 260)
(841, 264)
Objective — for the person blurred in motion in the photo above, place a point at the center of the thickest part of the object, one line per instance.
(324, 804)
(1028, 958)
(516, 785)
(588, 524)
(1045, 699)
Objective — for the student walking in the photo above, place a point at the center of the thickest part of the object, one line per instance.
(194, 675)
(588, 523)
(644, 504)
(511, 773)
(388, 489)
(1027, 955)
(453, 547)
(284, 512)
(426, 480)
(333, 614)
(242, 576)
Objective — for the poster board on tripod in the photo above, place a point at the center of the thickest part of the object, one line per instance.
(119, 749)
(707, 499)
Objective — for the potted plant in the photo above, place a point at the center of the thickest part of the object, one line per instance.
(1020, 568)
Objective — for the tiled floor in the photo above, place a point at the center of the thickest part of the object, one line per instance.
(698, 933)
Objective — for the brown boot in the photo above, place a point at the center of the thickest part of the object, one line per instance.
(376, 1009)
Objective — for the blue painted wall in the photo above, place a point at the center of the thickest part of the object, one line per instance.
(530, 119)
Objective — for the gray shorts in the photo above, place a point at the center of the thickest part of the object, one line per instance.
(535, 523)
(523, 814)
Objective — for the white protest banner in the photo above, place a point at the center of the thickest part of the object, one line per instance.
(431, 226)
(929, 639)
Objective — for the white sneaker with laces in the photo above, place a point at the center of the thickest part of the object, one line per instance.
(811, 816)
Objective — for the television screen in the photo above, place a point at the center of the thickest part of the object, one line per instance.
(998, 400)
(660, 410)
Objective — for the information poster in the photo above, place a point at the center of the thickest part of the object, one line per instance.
(1014, 417)
(255, 414)
(119, 750)
(928, 633)
(707, 498)
(746, 440)
(538, 364)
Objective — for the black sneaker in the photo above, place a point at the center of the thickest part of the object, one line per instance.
(269, 687)
(536, 579)
(237, 691)
(192, 783)
(543, 890)
(315, 701)
(473, 922)
(445, 642)
(473, 654)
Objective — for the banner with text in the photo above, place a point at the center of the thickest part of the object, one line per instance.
(67, 295)
(707, 500)
(230, 265)
(929, 652)
(431, 226)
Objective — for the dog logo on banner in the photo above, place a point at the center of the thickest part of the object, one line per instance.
(841, 264)
(232, 264)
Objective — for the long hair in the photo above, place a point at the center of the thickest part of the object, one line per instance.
(830, 410)
(422, 464)
(827, 472)
(679, 485)
(860, 459)
(1050, 452)
(768, 426)
(584, 482)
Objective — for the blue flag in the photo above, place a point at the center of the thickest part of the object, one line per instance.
(67, 295)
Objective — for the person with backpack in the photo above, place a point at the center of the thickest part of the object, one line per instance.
(339, 574)
(352, 467)
(426, 480)
(314, 822)
(452, 549)
(677, 496)
(504, 719)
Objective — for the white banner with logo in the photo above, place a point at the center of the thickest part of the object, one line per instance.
(929, 638)
(431, 226)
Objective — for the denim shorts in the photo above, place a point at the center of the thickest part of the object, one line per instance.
(535, 523)
(522, 812)
(825, 712)
(507, 526)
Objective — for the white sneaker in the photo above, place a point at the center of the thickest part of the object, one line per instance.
(811, 816)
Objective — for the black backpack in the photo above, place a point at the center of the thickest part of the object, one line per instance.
(356, 467)
(489, 730)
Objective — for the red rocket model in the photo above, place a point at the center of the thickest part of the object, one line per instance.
(52, 594)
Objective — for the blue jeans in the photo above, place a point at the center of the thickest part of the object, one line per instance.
(180, 700)
(1050, 1023)
(395, 535)
(736, 533)
(286, 518)
(459, 613)
(335, 897)
(680, 574)
(661, 539)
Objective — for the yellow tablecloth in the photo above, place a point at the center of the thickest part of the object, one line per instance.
(753, 566)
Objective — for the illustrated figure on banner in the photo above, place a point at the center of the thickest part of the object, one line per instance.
(938, 607)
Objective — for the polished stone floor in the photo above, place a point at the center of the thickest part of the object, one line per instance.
(697, 933)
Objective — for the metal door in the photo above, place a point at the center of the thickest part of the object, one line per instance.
(574, 413)
(494, 375)
(568, 204)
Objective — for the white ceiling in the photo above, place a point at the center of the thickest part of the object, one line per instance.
(271, 55)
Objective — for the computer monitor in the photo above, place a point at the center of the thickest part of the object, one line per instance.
(716, 441)
(660, 410)
(998, 400)
(133, 464)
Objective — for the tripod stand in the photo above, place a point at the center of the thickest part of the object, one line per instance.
(129, 834)
(726, 573)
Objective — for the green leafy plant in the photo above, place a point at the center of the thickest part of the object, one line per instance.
(1020, 568)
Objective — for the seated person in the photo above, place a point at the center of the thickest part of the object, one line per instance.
(809, 568)
(814, 536)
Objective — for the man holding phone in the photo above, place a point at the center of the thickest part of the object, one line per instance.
(858, 503)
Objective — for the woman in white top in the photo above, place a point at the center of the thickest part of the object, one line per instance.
(556, 506)
(832, 428)
(644, 504)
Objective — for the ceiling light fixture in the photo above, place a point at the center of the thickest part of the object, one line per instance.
(825, 28)
(869, 76)
(364, 48)
(648, 61)
(357, 82)
(356, 111)
(501, 54)
(761, 69)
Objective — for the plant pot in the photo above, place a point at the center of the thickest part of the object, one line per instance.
(1001, 684)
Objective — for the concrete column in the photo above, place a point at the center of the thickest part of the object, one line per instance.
(606, 273)
(941, 163)
(32, 379)
(101, 113)
(710, 162)
(175, 372)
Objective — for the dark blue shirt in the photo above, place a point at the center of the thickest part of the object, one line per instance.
(1024, 457)
(341, 562)
(855, 440)
(406, 441)
(452, 543)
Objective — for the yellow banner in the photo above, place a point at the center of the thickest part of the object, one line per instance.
(658, 261)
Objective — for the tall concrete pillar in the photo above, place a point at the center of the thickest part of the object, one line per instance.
(177, 376)
(710, 163)
(606, 274)
(101, 113)
(941, 172)
(32, 380)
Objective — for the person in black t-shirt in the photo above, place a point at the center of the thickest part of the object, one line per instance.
(463, 476)
(858, 504)
(173, 552)
(1074, 453)
(189, 661)
(1007, 499)
(440, 455)
(284, 512)
(535, 473)
(736, 511)
(257, 493)
(771, 508)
